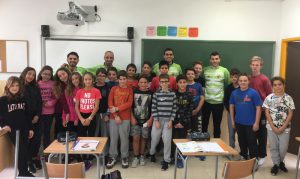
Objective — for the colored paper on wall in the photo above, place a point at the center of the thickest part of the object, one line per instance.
(161, 30)
(150, 31)
(172, 31)
(193, 32)
(182, 32)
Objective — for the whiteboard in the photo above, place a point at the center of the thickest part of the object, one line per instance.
(16, 53)
(90, 51)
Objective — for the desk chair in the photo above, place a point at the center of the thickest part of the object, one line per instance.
(76, 170)
(52, 170)
(239, 169)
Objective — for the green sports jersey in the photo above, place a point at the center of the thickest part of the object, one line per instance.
(216, 79)
(81, 70)
(174, 69)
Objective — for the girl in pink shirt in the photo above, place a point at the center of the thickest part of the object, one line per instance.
(70, 92)
(46, 85)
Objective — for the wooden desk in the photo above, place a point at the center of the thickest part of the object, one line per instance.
(297, 164)
(185, 156)
(59, 148)
(6, 151)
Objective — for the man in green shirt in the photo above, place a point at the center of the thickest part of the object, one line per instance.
(108, 62)
(216, 79)
(174, 68)
(73, 59)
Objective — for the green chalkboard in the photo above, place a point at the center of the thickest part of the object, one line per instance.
(234, 54)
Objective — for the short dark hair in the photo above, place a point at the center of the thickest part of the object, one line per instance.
(122, 73)
(112, 69)
(277, 78)
(198, 63)
(143, 76)
(131, 65)
(168, 49)
(180, 77)
(244, 74)
(234, 71)
(215, 53)
(162, 63)
(147, 63)
(164, 76)
(101, 70)
(73, 53)
(189, 69)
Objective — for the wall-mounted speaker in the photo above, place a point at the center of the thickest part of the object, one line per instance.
(130, 32)
(45, 30)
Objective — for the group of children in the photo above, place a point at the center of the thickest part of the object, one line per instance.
(117, 104)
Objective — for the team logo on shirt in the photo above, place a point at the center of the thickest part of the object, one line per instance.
(247, 99)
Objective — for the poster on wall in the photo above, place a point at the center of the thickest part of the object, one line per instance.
(193, 32)
(150, 31)
(161, 30)
(172, 31)
(182, 32)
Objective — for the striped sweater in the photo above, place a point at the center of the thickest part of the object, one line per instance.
(164, 105)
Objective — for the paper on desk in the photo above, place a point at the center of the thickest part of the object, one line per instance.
(86, 145)
(189, 147)
(193, 146)
(210, 147)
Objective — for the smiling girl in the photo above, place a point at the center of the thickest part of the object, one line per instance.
(13, 117)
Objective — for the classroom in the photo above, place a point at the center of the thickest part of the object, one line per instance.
(237, 29)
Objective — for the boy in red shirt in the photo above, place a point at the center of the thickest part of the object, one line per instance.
(119, 104)
(163, 69)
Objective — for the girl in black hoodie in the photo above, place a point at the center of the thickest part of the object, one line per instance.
(13, 117)
(34, 106)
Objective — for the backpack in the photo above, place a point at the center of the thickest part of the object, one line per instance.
(112, 175)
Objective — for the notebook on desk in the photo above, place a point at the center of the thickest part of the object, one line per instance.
(85, 145)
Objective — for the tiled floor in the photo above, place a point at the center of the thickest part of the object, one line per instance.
(196, 169)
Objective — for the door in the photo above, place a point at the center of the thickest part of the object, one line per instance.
(293, 89)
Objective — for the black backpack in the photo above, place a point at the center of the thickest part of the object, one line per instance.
(112, 175)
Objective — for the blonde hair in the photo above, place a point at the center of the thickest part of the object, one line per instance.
(257, 58)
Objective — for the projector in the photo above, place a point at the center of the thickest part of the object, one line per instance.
(70, 18)
(77, 15)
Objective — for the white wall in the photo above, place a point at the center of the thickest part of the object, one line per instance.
(216, 19)
(290, 19)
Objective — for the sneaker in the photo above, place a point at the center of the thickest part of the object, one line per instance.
(87, 165)
(282, 167)
(142, 160)
(152, 158)
(26, 174)
(38, 164)
(274, 170)
(202, 158)
(111, 162)
(135, 162)
(31, 167)
(125, 163)
(172, 162)
(164, 166)
(261, 161)
(179, 163)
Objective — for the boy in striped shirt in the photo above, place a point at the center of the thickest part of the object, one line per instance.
(163, 112)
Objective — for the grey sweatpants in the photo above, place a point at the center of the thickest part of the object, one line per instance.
(102, 129)
(278, 145)
(115, 131)
(166, 135)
